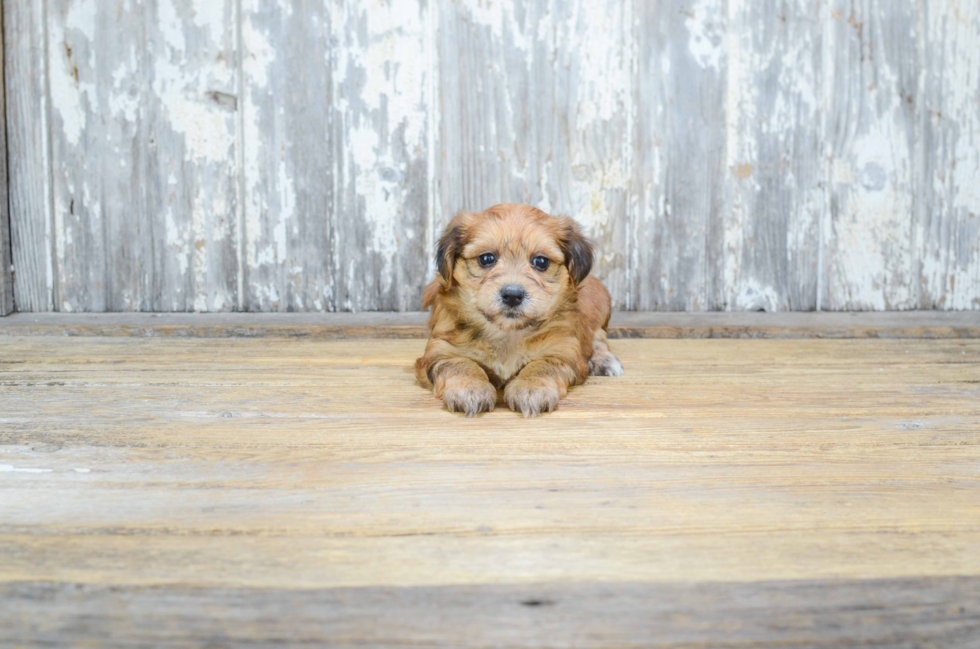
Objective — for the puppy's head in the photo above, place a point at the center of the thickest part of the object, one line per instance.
(512, 265)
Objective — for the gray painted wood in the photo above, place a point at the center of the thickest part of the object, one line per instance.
(336, 155)
(271, 155)
(143, 157)
(381, 73)
(680, 141)
(947, 216)
(534, 107)
(872, 135)
(29, 170)
(898, 613)
(6, 281)
(288, 252)
(770, 246)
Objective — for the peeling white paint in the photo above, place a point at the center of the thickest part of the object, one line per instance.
(754, 296)
(872, 242)
(540, 103)
(706, 33)
(70, 93)
(950, 232)
(391, 62)
(8, 468)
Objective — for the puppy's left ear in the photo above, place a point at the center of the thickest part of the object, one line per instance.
(577, 250)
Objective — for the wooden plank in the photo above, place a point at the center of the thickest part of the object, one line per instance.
(535, 107)
(191, 191)
(936, 612)
(336, 171)
(381, 78)
(775, 159)
(142, 157)
(948, 209)
(289, 147)
(871, 132)
(95, 62)
(786, 325)
(27, 114)
(189, 139)
(781, 493)
(6, 260)
(680, 162)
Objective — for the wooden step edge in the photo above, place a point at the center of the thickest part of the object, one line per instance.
(907, 324)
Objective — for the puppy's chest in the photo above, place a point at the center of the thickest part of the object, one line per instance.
(506, 355)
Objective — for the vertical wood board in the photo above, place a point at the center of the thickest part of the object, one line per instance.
(680, 174)
(947, 221)
(535, 105)
(6, 280)
(872, 140)
(770, 237)
(29, 171)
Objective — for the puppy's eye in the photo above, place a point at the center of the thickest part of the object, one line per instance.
(487, 259)
(541, 263)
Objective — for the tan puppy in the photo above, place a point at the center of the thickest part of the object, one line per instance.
(514, 308)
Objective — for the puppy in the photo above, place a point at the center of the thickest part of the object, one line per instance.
(513, 307)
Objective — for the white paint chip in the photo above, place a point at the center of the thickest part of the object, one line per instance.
(9, 468)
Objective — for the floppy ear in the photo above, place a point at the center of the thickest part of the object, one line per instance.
(577, 251)
(448, 249)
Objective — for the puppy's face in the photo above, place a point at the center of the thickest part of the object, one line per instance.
(513, 266)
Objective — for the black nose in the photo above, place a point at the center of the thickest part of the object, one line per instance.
(512, 295)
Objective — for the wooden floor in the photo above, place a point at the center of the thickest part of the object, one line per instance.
(165, 492)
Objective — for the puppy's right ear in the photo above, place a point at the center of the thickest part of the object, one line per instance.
(450, 245)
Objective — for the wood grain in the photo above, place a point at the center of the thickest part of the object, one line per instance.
(535, 107)
(6, 281)
(144, 174)
(288, 258)
(830, 485)
(872, 134)
(624, 324)
(680, 154)
(893, 613)
(270, 155)
(29, 173)
(948, 210)
(775, 159)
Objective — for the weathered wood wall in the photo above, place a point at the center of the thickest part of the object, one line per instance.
(6, 281)
(272, 155)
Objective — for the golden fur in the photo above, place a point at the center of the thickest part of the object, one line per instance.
(554, 338)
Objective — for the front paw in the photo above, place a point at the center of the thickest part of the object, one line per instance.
(531, 398)
(472, 397)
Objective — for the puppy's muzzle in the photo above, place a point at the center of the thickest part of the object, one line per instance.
(512, 295)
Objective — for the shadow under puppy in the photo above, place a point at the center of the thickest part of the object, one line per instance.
(513, 307)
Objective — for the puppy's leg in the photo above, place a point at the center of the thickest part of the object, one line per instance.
(542, 384)
(595, 306)
(461, 384)
(603, 362)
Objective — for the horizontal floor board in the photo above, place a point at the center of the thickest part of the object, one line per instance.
(940, 612)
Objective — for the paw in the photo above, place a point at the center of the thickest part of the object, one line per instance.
(530, 398)
(471, 398)
(605, 364)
